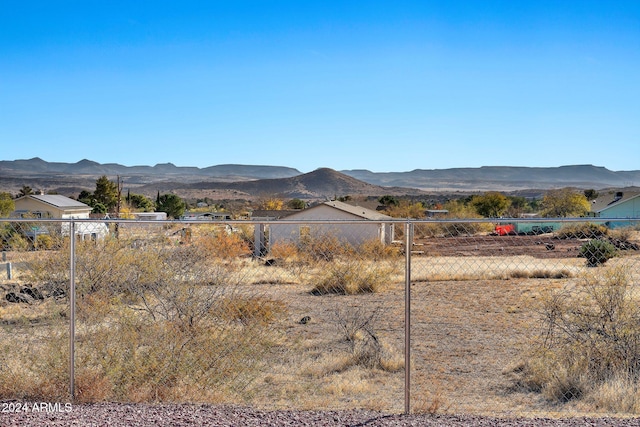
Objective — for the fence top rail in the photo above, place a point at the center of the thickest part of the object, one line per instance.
(601, 220)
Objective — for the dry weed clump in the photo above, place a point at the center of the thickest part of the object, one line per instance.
(376, 250)
(325, 248)
(540, 274)
(358, 327)
(284, 251)
(586, 230)
(177, 347)
(223, 244)
(251, 309)
(589, 348)
(432, 400)
(35, 367)
(352, 277)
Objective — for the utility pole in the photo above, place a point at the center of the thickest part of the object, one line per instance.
(119, 197)
(119, 184)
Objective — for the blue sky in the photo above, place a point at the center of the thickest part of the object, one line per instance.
(379, 85)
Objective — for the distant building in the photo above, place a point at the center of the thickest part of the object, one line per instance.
(205, 216)
(270, 215)
(150, 216)
(56, 206)
(50, 206)
(381, 228)
(436, 213)
(617, 204)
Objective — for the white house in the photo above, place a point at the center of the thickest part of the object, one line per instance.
(58, 206)
(50, 206)
(150, 216)
(339, 217)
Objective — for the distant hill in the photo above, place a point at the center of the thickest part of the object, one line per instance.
(88, 167)
(240, 181)
(319, 184)
(502, 178)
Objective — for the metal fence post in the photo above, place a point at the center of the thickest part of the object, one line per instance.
(72, 308)
(408, 231)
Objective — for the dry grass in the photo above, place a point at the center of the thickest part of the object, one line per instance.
(469, 327)
(352, 277)
(589, 347)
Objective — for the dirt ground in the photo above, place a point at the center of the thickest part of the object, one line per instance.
(540, 246)
(464, 336)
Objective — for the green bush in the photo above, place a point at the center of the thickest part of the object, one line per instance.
(597, 252)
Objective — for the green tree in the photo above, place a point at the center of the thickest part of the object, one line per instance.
(99, 208)
(491, 205)
(140, 202)
(388, 200)
(86, 197)
(457, 208)
(519, 205)
(565, 202)
(296, 204)
(591, 194)
(173, 205)
(25, 191)
(406, 209)
(7, 205)
(106, 193)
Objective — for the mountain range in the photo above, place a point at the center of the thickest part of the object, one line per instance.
(235, 181)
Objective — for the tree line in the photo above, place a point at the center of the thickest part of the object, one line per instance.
(108, 199)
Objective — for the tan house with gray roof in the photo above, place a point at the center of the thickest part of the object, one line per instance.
(50, 206)
(55, 206)
(348, 223)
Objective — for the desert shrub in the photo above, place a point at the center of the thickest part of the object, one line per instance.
(358, 327)
(590, 340)
(50, 268)
(121, 265)
(250, 309)
(18, 243)
(352, 277)
(139, 359)
(284, 250)
(597, 252)
(223, 245)
(376, 250)
(426, 230)
(36, 369)
(323, 248)
(179, 341)
(44, 241)
(623, 234)
(582, 230)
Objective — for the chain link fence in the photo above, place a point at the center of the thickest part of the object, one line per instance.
(517, 317)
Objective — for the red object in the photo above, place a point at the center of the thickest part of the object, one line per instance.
(506, 229)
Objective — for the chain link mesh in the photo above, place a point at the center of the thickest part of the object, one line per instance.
(515, 318)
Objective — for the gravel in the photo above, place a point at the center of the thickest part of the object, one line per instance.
(128, 414)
